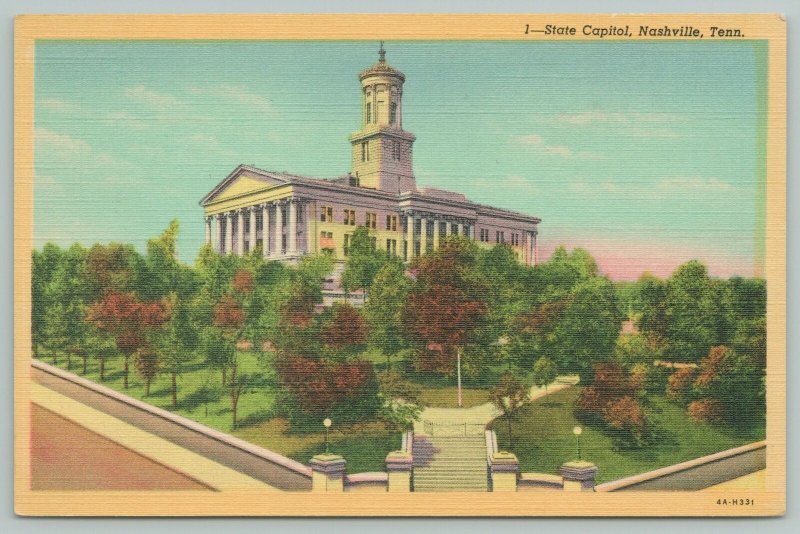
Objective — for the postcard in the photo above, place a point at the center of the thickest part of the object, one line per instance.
(400, 265)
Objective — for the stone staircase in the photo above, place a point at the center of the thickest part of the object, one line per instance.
(450, 463)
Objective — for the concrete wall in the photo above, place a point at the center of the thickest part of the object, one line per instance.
(697, 474)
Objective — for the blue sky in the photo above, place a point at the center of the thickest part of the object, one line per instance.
(648, 154)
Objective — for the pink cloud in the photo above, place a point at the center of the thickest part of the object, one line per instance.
(628, 259)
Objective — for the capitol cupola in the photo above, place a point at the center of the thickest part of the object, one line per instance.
(382, 149)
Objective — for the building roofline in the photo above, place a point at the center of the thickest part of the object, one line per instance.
(331, 185)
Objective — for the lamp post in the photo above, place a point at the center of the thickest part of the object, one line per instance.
(327, 424)
(578, 431)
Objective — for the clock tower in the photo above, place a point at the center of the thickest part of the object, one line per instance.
(381, 148)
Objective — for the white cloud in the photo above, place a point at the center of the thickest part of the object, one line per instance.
(58, 104)
(243, 95)
(631, 118)
(64, 144)
(538, 144)
(694, 183)
(153, 99)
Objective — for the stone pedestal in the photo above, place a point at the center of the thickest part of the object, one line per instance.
(504, 467)
(578, 475)
(327, 473)
(398, 467)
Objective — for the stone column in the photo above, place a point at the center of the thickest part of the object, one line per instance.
(423, 235)
(410, 235)
(291, 246)
(278, 229)
(436, 224)
(458, 229)
(504, 467)
(228, 232)
(240, 232)
(578, 475)
(398, 467)
(218, 239)
(535, 249)
(307, 215)
(253, 228)
(265, 230)
(327, 473)
(208, 230)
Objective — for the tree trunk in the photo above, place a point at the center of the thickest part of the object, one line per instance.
(125, 373)
(388, 362)
(102, 368)
(69, 361)
(224, 372)
(147, 388)
(510, 437)
(174, 389)
(55, 357)
(85, 357)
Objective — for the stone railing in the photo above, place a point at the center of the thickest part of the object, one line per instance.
(539, 481)
(696, 474)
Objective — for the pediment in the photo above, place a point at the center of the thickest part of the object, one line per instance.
(241, 182)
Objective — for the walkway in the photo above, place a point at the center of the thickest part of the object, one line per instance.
(456, 418)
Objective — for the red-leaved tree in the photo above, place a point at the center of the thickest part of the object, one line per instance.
(127, 319)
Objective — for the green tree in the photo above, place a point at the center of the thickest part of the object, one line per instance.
(176, 344)
(101, 344)
(384, 310)
(219, 350)
(66, 295)
(363, 262)
(544, 372)
(652, 296)
(44, 265)
(148, 365)
(509, 395)
(587, 329)
(691, 312)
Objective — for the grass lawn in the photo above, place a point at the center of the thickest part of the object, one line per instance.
(363, 446)
(543, 438)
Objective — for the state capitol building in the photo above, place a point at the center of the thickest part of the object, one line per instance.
(286, 216)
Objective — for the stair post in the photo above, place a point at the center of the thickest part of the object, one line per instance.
(504, 467)
(578, 475)
(398, 467)
(327, 473)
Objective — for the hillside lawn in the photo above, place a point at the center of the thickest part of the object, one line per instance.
(364, 446)
(543, 438)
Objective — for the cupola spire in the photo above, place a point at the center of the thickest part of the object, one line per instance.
(382, 54)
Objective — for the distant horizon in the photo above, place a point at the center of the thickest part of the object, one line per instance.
(646, 154)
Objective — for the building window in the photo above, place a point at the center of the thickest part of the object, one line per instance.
(369, 112)
(300, 212)
(499, 237)
(374, 242)
(365, 151)
(396, 150)
(391, 222)
(393, 113)
(283, 243)
(442, 230)
(467, 230)
(416, 248)
(391, 247)
(350, 217)
(326, 214)
(371, 221)
(346, 244)
(417, 227)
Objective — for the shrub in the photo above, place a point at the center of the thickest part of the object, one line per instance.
(679, 384)
(707, 410)
(627, 422)
(611, 402)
